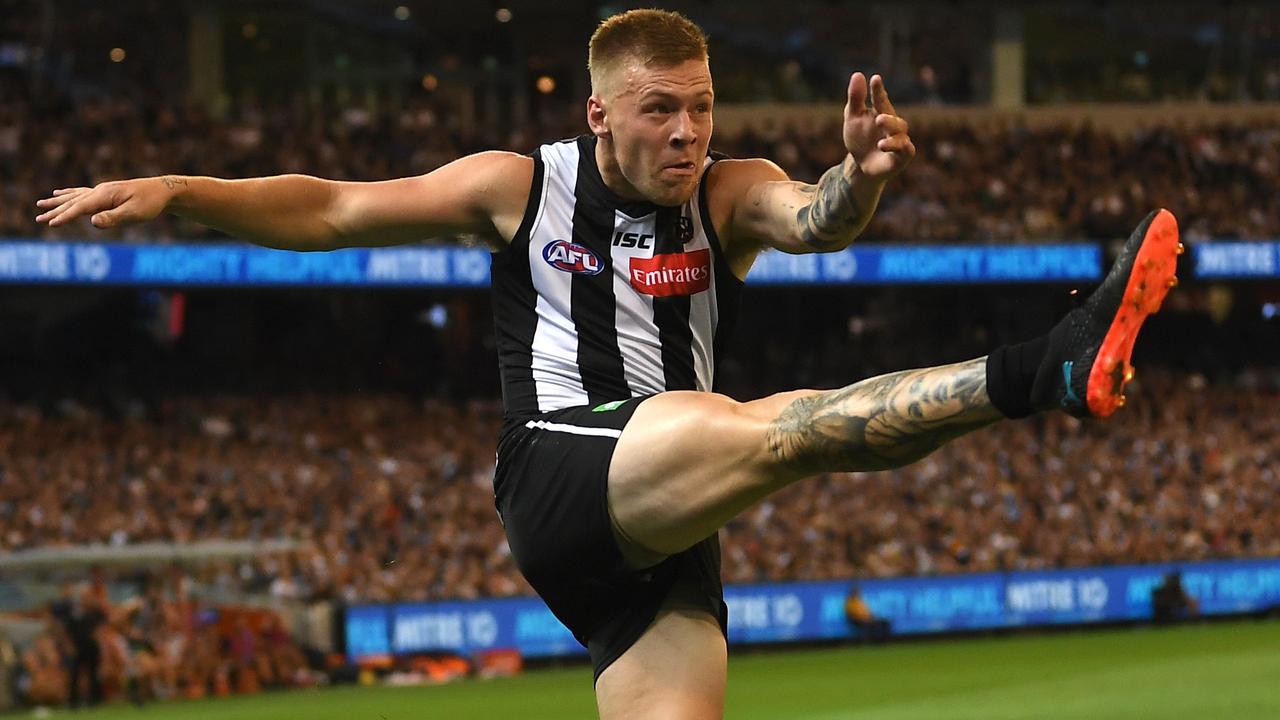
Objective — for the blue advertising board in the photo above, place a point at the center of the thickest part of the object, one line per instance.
(216, 265)
(1080, 596)
(1230, 260)
(932, 264)
(791, 612)
(463, 627)
(225, 265)
(815, 611)
(938, 604)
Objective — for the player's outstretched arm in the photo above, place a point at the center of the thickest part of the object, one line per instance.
(799, 217)
(481, 194)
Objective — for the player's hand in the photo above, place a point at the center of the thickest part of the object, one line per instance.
(110, 204)
(875, 136)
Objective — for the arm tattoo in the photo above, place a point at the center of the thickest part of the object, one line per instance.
(884, 422)
(832, 216)
(173, 181)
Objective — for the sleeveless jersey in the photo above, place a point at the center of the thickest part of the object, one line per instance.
(598, 298)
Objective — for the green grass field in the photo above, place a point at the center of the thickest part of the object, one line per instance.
(1205, 671)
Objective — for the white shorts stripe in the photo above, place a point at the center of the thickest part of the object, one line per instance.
(573, 429)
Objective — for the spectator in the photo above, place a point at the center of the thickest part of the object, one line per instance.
(83, 623)
(46, 674)
(866, 624)
(1170, 601)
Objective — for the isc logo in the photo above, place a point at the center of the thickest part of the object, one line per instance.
(572, 257)
(635, 240)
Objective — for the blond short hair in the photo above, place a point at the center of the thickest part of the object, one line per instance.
(648, 37)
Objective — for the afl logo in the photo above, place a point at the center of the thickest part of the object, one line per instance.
(572, 257)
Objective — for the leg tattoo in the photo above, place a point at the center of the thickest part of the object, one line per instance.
(884, 422)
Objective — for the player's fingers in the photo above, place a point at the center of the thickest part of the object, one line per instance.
(56, 201)
(105, 219)
(51, 213)
(70, 193)
(857, 93)
(891, 124)
(880, 96)
(59, 216)
(82, 205)
(896, 144)
(904, 146)
(52, 202)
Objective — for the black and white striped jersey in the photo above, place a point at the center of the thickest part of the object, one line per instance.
(598, 298)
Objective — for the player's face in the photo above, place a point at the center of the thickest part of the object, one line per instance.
(660, 126)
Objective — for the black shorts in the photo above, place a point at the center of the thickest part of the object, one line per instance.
(551, 489)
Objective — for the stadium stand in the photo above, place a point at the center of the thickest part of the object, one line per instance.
(983, 182)
(391, 498)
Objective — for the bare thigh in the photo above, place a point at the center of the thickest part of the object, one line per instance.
(675, 671)
(687, 463)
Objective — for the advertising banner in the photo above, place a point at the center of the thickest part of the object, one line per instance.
(808, 611)
(227, 265)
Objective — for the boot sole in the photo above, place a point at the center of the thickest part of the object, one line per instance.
(1153, 275)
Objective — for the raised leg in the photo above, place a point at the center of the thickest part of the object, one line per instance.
(688, 462)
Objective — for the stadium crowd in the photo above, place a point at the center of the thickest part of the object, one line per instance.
(162, 643)
(982, 182)
(390, 499)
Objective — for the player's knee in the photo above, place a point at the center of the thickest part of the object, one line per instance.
(787, 447)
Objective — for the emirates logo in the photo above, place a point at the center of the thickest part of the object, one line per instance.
(672, 274)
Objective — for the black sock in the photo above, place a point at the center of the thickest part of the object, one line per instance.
(1011, 376)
